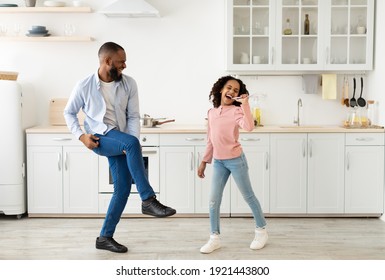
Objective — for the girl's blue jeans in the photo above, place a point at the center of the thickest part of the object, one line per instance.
(221, 171)
(124, 167)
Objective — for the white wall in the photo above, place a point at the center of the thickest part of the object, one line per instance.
(175, 60)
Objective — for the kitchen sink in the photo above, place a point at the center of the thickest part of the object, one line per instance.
(301, 126)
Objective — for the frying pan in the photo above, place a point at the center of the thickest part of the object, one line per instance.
(353, 102)
(361, 101)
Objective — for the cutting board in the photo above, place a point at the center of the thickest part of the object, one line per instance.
(56, 109)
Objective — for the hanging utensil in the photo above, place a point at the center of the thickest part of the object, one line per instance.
(346, 93)
(343, 93)
(361, 101)
(353, 102)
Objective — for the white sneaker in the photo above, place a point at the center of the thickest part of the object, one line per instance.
(213, 244)
(260, 239)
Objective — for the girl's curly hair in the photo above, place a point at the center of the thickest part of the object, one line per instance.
(215, 94)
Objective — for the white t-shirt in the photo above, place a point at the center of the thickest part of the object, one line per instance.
(108, 93)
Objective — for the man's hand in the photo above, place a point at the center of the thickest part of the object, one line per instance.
(90, 141)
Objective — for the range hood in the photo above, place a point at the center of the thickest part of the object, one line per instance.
(130, 8)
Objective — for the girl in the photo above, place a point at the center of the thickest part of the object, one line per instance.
(231, 111)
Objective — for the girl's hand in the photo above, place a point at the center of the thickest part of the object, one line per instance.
(201, 170)
(244, 99)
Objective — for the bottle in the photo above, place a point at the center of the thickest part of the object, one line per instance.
(306, 29)
(287, 30)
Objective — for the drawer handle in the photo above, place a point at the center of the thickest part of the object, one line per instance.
(365, 139)
(250, 139)
(61, 139)
(194, 139)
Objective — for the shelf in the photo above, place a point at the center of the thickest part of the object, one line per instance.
(45, 10)
(48, 39)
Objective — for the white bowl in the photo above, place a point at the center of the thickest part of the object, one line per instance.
(77, 3)
(361, 29)
(54, 4)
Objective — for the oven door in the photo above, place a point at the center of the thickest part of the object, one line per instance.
(151, 164)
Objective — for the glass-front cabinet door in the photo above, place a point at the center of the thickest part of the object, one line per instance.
(298, 37)
(250, 34)
(349, 39)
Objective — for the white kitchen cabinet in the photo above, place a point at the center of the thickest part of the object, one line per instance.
(45, 187)
(62, 175)
(180, 186)
(250, 35)
(325, 181)
(298, 51)
(364, 173)
(256, 39)
(256, 150)
(80, 180)
(307, 173)
(349, 33)
(288, 175)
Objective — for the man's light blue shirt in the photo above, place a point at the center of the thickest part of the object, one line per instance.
(87, 96)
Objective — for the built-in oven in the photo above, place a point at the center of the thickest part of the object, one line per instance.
(150, 151)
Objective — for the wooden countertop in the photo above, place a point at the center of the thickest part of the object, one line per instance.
(188, 128)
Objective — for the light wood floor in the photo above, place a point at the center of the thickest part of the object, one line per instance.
(180, 239)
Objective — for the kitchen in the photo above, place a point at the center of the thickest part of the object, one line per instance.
(175, 59)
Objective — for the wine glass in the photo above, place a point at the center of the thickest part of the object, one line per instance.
(69, 29)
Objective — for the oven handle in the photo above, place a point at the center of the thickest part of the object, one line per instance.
(149, 152)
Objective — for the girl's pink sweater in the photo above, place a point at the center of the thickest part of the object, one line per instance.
(223, 127)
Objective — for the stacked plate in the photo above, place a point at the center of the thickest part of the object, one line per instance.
(8, 5)
(38, 31)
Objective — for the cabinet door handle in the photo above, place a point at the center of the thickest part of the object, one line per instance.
(310, 148)
(272, 55)
(303, 148)
(199, 160)
(194, 139)
(347, 161)
(59, 162)
(65, 161)
(267, 160)
(327, 55)
(191, 161)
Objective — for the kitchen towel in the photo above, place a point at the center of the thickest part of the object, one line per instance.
(310, 83)
(329, 86)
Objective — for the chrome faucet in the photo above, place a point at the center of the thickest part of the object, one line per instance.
(299, 104)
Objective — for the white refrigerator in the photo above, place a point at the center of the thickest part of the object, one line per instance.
(12, 166)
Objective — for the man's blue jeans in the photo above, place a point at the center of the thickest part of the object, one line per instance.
(124, 167)
(240, 171)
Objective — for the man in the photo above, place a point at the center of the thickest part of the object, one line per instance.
(110, 102)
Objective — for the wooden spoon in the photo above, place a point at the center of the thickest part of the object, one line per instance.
(346, 93)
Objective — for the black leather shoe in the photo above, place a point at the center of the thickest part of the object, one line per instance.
(154, 208)
(108, 243)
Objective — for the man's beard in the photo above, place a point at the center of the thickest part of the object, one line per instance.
(114, 74)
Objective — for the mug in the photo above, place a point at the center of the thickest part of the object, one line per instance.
(256, 59)
(30, 3)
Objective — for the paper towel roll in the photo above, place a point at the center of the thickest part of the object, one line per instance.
(329, 86)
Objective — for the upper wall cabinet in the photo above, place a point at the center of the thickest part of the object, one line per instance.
(299, 35)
